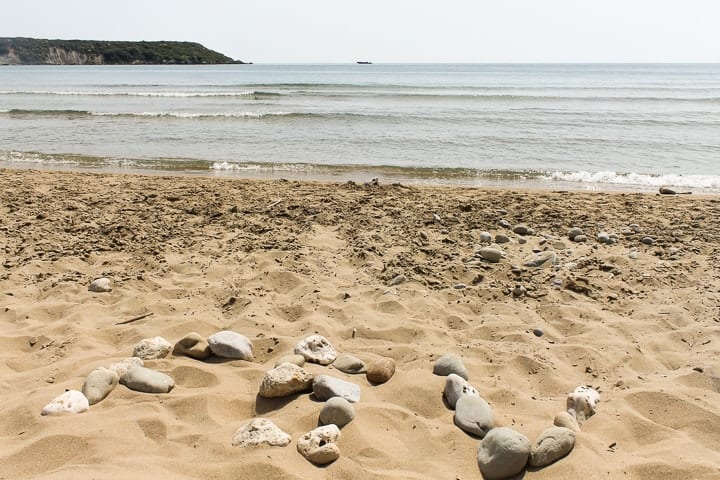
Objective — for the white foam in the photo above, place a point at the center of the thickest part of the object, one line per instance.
(686, 181)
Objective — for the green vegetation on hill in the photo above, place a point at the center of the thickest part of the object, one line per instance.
(31, 51)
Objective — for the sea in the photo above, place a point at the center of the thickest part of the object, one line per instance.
(633, 127)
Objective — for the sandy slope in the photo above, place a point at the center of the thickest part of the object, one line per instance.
(279, 260)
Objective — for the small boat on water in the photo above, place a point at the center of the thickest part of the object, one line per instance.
(363, 63)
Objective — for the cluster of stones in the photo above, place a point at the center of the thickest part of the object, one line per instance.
(132, 372)
(504, 453)
(288, 377)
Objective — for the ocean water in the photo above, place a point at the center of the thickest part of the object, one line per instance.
(634, 127)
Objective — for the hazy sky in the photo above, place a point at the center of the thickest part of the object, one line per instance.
(393, 30)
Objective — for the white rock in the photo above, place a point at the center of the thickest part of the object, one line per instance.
(317, 349)
(285, 380)
(582, 403)
(456, 387)
(98, 384)
(231, 345)
(259, 431)
(100, 285)
(319, 446)
(552, 445)
(326, 387)
(72, 401)
(126, 364)
(152, 348)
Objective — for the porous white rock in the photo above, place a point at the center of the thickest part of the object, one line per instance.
(448, 364)
(582, 403)
(146, 380)
(553, 444)
(229, 344)
(98, 384)
(260, 431)
(316, 349)
(152, 348)
(456, 387)
(473, 415)
(502, 454)
(319, 446)
(125, 364)
(326, 387)
(337, 411)
(349, 364)
(100, 285)
(284, 380)
(72, 401)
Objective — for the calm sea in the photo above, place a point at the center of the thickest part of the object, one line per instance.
(582, 126)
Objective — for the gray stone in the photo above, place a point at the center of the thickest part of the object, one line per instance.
(522, 230)
(456, 387)
(337, 411)
(193, 345)
(284, 380)
(504, 223)
(100, 285)
(349, 364)
(319, 446)
(126, 364)
(574, 232)
(294, 358)
(380, 371)
(70, 402)
(538, 332)
(448, 364)
(326, 387)
(647, 240)
(98, 384)
(540, 259)
(579, 238)
(502, 454)
(316, 349)
(260, 431)
(604, 237)
(145, 380)
(397, 280)
(565, 419)
(229, 344)
(485, 237)
(500, 238)
(552, 445)
(152, 348)
(493, 255)
(473, 415)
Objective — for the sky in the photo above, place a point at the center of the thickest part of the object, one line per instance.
(329, 31)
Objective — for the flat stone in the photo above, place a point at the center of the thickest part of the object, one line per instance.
(126, 364)
(349, 364)
(145, 380)
(284, 380)
(319, 446)
(541, 259)
(98, 384)
(565, 419)
(152, 348)
(337, 411)
(326, 387)
(493, 255)
(582, 403)
(229, 344)
(294, 358)
(260, 431)
(456, 387)
(552, 445)
(448, 364)
(502, 454)
(193, 345)
(70, 402)
(316, 349)
(381, 371)
(647, 240)
(473, 415)
(100, 285)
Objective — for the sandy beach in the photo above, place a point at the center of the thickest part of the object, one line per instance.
(380, 270)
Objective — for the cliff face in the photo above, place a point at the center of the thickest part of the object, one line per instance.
(30, 51)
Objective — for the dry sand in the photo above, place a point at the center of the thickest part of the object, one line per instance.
(279, 260)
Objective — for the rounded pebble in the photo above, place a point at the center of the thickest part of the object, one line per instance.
(552, 445)
(145, 380)
(565, 419)
(98, 384)
(473, 415)
(502, 454)
(349, 364)
(325, 387)
(381, 371)
(284, 380)
(448, 364)
(493, 255)
(230, 344)
(574, 232)
(456, 387)
(100, 285)
(193, 345)
(337, 411)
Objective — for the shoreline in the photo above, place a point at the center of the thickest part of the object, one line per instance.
(382, 271)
